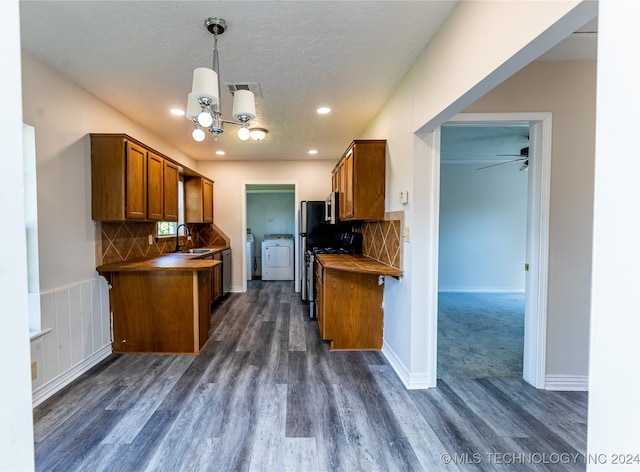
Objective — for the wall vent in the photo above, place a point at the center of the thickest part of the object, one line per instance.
(251, 86)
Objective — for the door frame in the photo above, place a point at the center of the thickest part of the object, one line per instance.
(537, 252)
(296, 248)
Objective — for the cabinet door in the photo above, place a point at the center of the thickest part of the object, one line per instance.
(217, 282)
(348, 185)
(170, 180)
(155, 187)
(341, 187)
(207, 201)
(198, 198)
(136, 182)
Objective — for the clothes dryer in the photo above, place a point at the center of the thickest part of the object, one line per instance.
(277, 257)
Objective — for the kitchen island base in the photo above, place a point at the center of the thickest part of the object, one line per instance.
(160, 311)
(350, 312)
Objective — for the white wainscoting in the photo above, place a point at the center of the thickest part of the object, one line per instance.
(80, 336)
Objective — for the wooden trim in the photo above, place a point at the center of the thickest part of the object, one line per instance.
(196, 313)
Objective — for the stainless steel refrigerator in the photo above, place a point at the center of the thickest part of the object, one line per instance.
(310, 224)
(314, 232)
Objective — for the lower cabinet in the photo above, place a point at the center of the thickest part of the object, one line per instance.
(350, 313)
(216, 283)
(160, 311)
(216, 278)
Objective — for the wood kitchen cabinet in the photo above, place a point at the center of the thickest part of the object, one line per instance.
(170, 178)
(216, 279)
(350, 314)
(349, 293)
(198, 193)
(155, 187)
(130, 181)
(162, 189)
(359, 178)
(118, 179)
(160, 311)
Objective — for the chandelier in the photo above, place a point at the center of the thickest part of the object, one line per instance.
(203, 103)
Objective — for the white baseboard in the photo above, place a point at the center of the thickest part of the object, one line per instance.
(567, 383)
(46, 390)
(411, 380)
(478, 290)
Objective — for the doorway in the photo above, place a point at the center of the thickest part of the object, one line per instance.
(482, 246)
(267, 208)
(539, 164)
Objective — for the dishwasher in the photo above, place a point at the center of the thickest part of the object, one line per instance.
(226, 271)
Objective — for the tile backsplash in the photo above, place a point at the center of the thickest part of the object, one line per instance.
(382, 240)
(125, 241)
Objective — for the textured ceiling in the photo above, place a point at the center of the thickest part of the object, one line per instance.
(139, 57)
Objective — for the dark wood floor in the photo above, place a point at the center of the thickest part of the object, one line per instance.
(267, 395)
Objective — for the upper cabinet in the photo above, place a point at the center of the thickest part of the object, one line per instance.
(130, 181)
(198, 200)
(118, 179)
(170, 178)
(155, 187)
(359, 179)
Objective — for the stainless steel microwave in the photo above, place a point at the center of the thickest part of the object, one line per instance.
(331, 209)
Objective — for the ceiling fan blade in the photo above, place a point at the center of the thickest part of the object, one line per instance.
(502, 163)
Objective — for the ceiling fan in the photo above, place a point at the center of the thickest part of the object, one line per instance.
(523, 156)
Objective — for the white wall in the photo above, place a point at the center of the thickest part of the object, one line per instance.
(313, 179)
(483, 223)
(16, 432)
(74, 301)
(459, 65)
(614, 410)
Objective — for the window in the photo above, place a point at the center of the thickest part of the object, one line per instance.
(168, 228)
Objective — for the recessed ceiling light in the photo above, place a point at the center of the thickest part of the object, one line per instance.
(220, 153)
(323, 110)
(313, 151)
(177, 112)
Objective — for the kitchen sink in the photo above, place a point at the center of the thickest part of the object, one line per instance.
(196, 251)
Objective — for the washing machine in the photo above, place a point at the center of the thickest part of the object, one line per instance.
(250, 255)
(277, 257)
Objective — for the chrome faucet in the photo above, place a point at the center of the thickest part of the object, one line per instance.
(188, 233)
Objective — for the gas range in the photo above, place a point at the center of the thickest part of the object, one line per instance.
(332, 250)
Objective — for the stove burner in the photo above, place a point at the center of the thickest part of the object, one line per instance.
(331, 250)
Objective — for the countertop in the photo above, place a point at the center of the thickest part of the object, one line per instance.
(357, 263)
(169, 261)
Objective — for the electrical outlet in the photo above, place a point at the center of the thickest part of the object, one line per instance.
(407, 234)
(151, 240)
(34, 370)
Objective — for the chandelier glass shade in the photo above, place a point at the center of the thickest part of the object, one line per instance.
(203, 103)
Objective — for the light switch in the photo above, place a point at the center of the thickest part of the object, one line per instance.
(407, 234)
(404, 197)
(151, 240)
